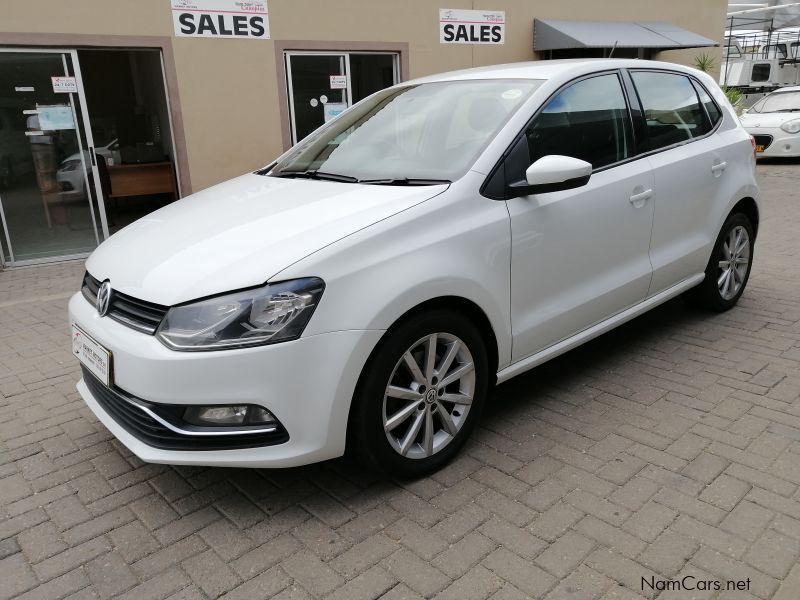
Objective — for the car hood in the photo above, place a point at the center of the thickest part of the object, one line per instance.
(240, 233)
(757, 121)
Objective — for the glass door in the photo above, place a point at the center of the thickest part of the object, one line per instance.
(323, 84)
(315, 92)
(48, 201)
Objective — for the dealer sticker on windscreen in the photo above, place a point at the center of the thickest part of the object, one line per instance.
(91, 354)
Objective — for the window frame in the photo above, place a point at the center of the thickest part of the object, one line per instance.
(695, 83)
(635, 155)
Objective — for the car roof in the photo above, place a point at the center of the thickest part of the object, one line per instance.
(790, 88)
(550, 69)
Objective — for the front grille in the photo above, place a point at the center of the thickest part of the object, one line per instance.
(763, 140)
(128, 411)
(137, 314)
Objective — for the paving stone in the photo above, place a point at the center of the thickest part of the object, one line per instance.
(110, 575)
(415, 573)
(464, 554)
(582, 584)
(552, 523)
(773, 553)
(668, 553)
(514, 538)
(565, 554)
(706, 467)
(210, 573)
(477, 584)
(725, 492)
(747, 520)
(708, 535)
(762, 586)
(649, 521)
(610, 536)
(519, 572)
(16, 576)
(363, 555)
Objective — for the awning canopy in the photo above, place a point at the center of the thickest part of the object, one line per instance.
(552, 34)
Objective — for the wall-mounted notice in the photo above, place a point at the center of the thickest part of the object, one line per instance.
(245, 19)
(338, 82)
(64, 85)
(56, 117)
(472, 26)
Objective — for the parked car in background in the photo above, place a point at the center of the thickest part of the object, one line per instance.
(774, 122)
(70, 175)
(369, 287)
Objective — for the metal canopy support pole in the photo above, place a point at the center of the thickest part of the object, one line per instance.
(728, 54)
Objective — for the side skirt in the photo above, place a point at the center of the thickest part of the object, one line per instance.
(600, 328)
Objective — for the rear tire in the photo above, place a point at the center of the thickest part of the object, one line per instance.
(411, 414)
(728, 269)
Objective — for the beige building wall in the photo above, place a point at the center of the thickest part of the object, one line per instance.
(230, 96)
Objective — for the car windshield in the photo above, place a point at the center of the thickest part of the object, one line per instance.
(779, 102)
(416, 134)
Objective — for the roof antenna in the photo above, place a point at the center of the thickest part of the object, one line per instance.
(614, 47)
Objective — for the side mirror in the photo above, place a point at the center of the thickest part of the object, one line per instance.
(552, 173)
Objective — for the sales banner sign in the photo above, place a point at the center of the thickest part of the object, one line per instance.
(245, 19)
(472, 26)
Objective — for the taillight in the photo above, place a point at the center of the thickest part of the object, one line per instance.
(753, 143)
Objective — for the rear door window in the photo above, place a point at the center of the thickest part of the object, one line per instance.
(671, 108)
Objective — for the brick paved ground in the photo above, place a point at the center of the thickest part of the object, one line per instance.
(669, 447)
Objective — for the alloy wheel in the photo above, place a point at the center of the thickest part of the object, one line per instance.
(429, 395)
(734, 261)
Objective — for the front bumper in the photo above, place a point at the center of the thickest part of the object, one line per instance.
(782, 143)
(307, 384)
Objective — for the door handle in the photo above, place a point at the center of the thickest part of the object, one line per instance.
(638, 200)
(719, 168)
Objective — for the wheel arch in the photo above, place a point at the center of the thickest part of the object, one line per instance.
(748, 207)
(458, 304)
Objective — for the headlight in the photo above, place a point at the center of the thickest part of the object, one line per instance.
(276, 312)
(792, 126)
(71, 165)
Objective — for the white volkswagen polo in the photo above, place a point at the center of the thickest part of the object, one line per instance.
(369, 287)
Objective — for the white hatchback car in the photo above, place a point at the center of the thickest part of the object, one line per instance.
(774, 123)
(369, 287)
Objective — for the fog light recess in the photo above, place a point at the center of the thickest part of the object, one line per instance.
(227, 415)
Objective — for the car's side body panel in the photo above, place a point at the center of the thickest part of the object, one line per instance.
(456, 244)
(579, 256)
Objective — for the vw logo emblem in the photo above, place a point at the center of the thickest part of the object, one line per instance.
(103, 298)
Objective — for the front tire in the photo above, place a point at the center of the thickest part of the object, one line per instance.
(728, 269)
(420, 394)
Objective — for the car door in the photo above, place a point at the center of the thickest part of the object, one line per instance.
(689, 168)
(579, 256)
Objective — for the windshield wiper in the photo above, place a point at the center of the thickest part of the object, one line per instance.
(405, 181)
(317, 175)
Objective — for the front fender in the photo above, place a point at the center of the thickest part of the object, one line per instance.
(457, 244)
